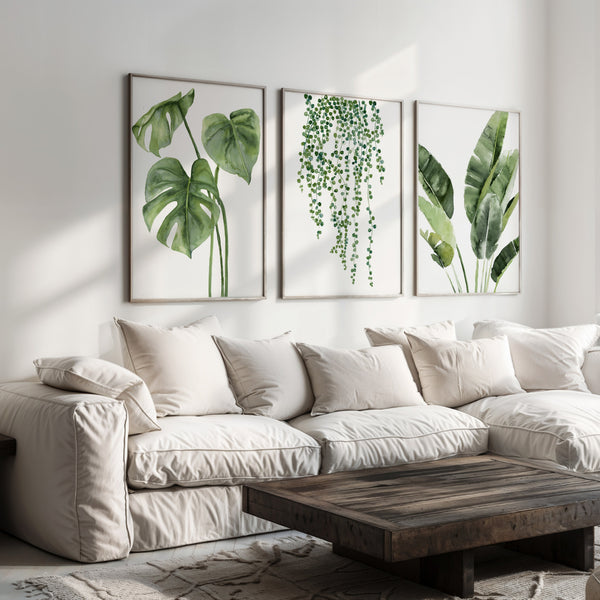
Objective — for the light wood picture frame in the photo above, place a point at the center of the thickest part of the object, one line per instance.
(197, 190)
(341, 219)
(467, 200)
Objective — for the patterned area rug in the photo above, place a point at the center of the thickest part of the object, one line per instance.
(302, 568)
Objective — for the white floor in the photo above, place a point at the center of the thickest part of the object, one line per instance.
(19, 560)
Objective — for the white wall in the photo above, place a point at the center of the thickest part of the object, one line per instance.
(574, 154)
(63, 129)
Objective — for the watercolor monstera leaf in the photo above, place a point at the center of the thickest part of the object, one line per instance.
(196, 211)
(233, 143)
(162, 120)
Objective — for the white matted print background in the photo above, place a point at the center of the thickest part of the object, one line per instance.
(309, 269)
(159, 273)
(450, 133)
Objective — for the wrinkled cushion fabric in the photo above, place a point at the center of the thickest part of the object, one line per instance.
(267, 376)
(181, 366)
(454, 373)
(97, 376)
(65, 489)
(353, 440)
(180, 516)
(560, 426)
(359, 379)
(384, 336)
(219, 450)
(545, 359)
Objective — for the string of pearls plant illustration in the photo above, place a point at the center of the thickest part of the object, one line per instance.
(198, 213)
(488, 203)
(340, 161)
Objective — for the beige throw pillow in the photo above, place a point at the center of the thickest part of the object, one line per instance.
(545, 359)
(385, 336)
(182, 367)
(359, 379)
(96, 376)
(267, 376)
(454, 373)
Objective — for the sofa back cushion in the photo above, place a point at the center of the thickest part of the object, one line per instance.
(359, 379)
(385, 336)
(182, 367)
(591, 369)
(96, 376)
(545, 359)
(454, 373)
(267, 376)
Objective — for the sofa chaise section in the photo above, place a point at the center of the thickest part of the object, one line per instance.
(560, 426)
(65, 490)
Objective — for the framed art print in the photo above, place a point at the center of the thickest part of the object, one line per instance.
(468, 238)
(197, 190)
(342, 190)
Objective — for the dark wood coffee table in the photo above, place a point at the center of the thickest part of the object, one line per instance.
(423, 521)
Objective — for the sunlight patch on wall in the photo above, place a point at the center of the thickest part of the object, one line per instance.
(395, 77)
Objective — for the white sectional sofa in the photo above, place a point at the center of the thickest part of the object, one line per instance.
(111, 460)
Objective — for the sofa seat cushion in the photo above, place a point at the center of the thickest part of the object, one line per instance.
(352, 440)
(556, 425)
(219, 450)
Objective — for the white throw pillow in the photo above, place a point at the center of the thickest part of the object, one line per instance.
(545, 359)
(96, 376)
(267, 376)
(454, 373)
(384, 336)
(359, 379)
(182, 367)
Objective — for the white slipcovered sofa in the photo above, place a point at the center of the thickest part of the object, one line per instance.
(111, 460)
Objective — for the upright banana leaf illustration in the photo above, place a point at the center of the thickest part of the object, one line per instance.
(232, 143)
(488, 205)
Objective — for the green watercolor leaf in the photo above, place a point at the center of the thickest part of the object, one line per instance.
(443, 253)
(482, 162)
(233, 143)
(162, 120)
(508, 211)
(195, 213)
(487, 227)
(435, 181)
(504, 259)
(504, 178)
(439, 221)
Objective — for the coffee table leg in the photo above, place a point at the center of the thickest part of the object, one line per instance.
(571, 548)
(452, 573)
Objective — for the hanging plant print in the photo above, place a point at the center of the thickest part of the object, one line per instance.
(186, 203)
(341, 179)
(340, 154)
(474, 245)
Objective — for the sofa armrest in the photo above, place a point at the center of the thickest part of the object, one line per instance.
(65, 489)
(591, 369)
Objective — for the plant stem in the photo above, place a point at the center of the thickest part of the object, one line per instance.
(210, 263)
(225, 236)
(220, 259)
(459, 287)
(450, 280)
(477, 276)
(191, 136)
(462, 264)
